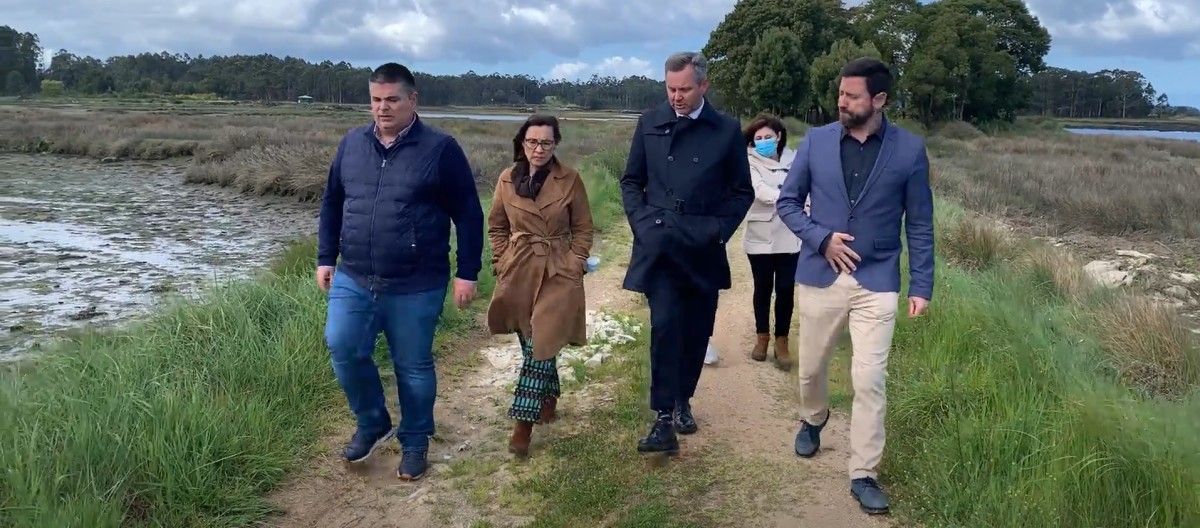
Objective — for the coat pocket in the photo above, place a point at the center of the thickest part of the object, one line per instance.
(645, 222)
(759, 231)
(759, 215)
(697, 231)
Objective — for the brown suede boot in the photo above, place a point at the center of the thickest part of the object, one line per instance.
(549, 408)
(783, 358)
(519, 444)
(760, 347)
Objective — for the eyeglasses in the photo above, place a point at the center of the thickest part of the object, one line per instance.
(533, 144)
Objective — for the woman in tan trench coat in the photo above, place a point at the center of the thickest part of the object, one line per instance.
(540, 228)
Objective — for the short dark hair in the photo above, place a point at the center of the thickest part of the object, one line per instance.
(766, 120)
(392, 73)
(877, 74)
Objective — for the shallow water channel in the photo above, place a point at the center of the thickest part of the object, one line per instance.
(85, 244)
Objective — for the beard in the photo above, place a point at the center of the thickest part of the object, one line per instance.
(853, 120)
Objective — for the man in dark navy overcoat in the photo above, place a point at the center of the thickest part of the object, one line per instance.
(686, 188)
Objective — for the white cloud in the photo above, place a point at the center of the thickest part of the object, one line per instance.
(624, 67)
(1137, 19)
(478, 32)
(567, 70)
(411, 33)
(1160, 29)
(611, 67)
(276, 14)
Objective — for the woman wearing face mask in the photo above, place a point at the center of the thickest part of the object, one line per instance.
(772, 248)
(540, 230)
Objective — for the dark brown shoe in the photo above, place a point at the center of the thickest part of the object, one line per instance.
(760, 347)
(549, 412)
(519, 444)
(783, 358)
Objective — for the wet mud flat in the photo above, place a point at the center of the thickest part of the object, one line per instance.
(90, 244)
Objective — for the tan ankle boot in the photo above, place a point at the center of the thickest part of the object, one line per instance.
(519, 443)
(760, 348)
(549, 412)
(783, 358)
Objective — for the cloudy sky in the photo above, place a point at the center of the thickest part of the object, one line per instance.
(551, 38)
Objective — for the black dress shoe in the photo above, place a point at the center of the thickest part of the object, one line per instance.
(871, 497)
(685, 423)
(661, 438)
(808, 439)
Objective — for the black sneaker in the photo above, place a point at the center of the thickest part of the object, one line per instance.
(685, 423)
(661, 438)
(808, 439)
(871, 497)
(413, 465)
(363, 443)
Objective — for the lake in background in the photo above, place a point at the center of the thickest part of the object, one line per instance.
(1137, 132)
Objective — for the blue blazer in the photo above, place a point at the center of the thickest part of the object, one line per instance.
(897, 189)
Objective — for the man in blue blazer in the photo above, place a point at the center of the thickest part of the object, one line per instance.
(863, 176)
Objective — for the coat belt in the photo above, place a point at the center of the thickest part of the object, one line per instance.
(541, 246)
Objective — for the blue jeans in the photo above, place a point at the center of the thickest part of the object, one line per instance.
(355, 318)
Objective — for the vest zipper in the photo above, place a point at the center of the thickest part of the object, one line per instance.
(371, 232)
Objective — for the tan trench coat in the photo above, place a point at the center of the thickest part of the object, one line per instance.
(539, 251)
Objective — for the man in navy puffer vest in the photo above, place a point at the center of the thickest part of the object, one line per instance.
(394, 187)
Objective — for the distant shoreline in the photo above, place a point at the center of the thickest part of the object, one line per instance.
(1164, 125)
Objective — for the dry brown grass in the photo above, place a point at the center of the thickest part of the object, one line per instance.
(1148, 344)
(1057, 270)
(283, 153)
(1104, 185)
(973, 243)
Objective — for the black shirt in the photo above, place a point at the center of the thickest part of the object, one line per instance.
(858, 159)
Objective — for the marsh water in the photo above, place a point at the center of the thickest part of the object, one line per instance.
(85, 243)
(1138, 132)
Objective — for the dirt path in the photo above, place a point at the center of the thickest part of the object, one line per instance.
(750, 407)
(742, 405)
(472, 432)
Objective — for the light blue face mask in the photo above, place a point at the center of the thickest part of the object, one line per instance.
(766, 147)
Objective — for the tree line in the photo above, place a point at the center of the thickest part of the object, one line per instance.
(1061, 92)
(270, 78)
(972, 60)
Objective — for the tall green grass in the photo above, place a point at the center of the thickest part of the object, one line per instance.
(184, 420)
(1010, 407)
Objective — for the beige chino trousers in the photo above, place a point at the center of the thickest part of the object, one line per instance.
(824, 312)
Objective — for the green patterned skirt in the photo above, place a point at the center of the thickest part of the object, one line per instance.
(538, 380)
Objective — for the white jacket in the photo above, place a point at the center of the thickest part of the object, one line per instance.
(765, 232)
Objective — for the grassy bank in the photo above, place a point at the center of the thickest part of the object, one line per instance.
(186, 419)
(1029, 398)
(189, 418)
(183, 420)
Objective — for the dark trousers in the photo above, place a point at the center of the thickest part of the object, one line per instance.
(681, 321)
(774, 271)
